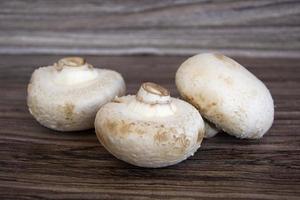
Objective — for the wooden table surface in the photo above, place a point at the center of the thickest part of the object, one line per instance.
(38, 163)
(238, 27)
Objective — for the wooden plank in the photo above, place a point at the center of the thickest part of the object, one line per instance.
(37, 163)
(248, 28)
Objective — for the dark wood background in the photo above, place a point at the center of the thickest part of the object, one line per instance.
(38, 163)
(245, 27)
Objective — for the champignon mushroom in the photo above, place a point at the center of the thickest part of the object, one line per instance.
(67, 95)
(150, 129)
(226, 94)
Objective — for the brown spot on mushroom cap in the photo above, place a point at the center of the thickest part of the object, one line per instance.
(194, 102)
(117, 127)
(68, 110)
(219, 117)
(123, 128)
(220, 56)
(161, 136)
(228, 61)
(181, 142)
(227, 80)
(111, 126)
(204, 106)
(155, 89)
(213, 104)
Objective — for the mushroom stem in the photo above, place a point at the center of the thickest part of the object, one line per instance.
(74, 70)
(152, 93)
(210, 129)
(153, 100)
(71, 62)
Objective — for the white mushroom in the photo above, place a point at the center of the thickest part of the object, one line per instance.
(150, 129)
(67, 95)
(226, 94)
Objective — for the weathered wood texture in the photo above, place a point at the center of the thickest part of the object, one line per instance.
(249, 28)
(37, 163)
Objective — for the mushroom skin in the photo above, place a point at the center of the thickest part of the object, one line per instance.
(226, 94)
(67, 95)
(150, 129)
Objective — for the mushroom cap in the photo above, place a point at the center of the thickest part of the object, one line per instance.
(149, 130)
(226, 94)
(67, 95)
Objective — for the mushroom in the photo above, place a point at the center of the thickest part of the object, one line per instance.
(67, 95)
(150, 129)
(226, 94)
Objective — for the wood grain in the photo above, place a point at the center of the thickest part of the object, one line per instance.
(259, 28)
(37, 163)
